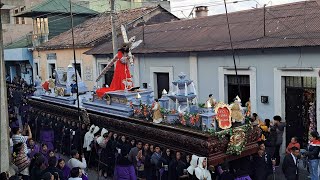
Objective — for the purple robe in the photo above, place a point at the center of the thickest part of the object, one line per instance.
(47, 137)
(243, 178)
(125, 172)
(84, 177)
(14, 124)
(34, 150)
(66, 172)
(46, 157)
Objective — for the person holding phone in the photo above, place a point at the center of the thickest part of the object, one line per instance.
(75, 162)
(17, 137)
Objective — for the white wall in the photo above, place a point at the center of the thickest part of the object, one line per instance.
(263, 61)
(177, 62)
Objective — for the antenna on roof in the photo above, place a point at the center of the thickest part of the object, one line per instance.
(184, 15)
(191, 13)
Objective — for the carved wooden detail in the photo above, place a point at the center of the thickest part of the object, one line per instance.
(185, 140)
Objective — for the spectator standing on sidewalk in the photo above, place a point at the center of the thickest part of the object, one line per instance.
(290, 164)
(75, 162)
(270, 138)
(293, 143)
(280, 129)
(262, 163)
(313, 155)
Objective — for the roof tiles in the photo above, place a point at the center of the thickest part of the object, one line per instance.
(288, 25)
(95, 29)
(55, 7)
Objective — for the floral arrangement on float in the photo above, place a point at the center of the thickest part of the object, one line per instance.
(141, 110)
(190, 119)
(233, 124)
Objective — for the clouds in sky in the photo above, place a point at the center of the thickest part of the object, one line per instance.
(183, 8)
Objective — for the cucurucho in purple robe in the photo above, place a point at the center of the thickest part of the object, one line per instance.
(47, 137)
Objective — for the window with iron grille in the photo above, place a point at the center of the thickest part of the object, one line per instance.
(301, 81)
(233, 88)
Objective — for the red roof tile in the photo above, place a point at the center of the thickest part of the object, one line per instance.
(288, 25)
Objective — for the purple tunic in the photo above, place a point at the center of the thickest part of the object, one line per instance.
(66, 172)
(243, 178)
(47, 137)
(84, 177)
(14, 124)
(34, 150)
(125, 172)
(46, 157)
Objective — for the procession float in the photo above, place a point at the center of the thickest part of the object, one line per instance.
(216, 130)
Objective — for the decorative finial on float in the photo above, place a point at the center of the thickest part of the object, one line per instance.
(208, 104)
(164, 92)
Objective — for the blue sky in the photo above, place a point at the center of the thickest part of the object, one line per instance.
(183, 8)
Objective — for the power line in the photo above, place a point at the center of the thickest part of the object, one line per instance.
(233, 52)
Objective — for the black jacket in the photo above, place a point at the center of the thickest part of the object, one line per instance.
(271, 137)
(289, 168)
(313, 152)
(176, 169)
(53, 170)
(261, 166)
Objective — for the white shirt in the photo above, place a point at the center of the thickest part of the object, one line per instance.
(21, 139)
(76, 178)
(73, 162)
(295, 161)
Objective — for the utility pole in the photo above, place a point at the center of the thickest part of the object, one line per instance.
(75, 65)
(113, 26)
(4, 124)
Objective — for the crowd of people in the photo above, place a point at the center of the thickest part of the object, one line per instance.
(268, 156)
(18, 92)
(40, 143)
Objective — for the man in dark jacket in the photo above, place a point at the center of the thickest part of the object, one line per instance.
(290, 164)
(176, 167)
(52, 161)
(280, 129)
(134, 152)
(271, 139)
(261, 164)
